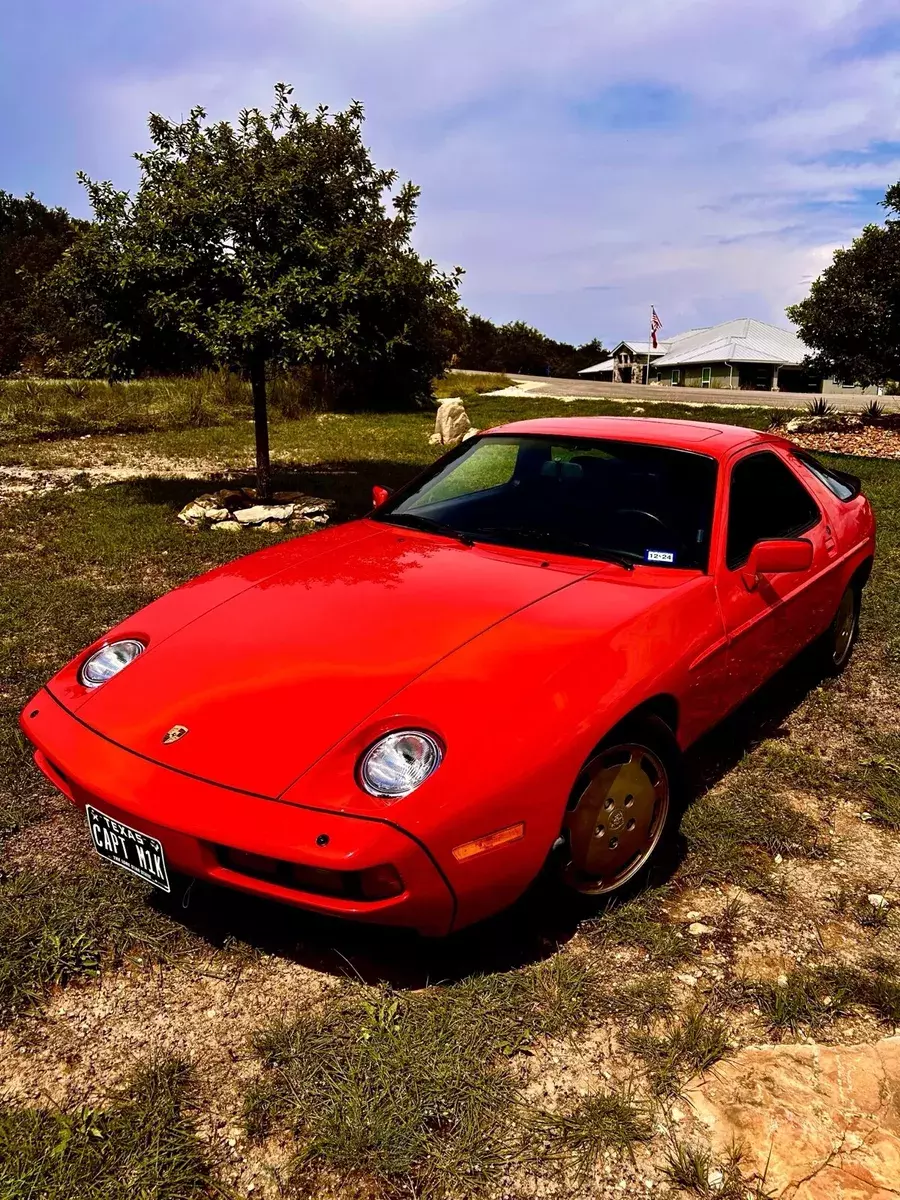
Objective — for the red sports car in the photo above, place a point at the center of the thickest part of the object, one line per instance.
(405, 719)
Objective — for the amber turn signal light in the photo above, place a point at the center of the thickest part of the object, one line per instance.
(490, 841)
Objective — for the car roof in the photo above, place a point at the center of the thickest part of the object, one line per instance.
(703, 436)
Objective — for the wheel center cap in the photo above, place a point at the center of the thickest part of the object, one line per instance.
(616, 819)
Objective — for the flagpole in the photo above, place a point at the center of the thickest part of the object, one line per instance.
(649, 344)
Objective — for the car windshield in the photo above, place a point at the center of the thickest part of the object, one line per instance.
(623, 501)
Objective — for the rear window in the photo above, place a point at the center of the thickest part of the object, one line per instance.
(839, 483)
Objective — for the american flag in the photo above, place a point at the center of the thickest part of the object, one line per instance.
(655, 324)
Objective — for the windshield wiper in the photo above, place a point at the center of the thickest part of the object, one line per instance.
(560, 544)
(414, 521)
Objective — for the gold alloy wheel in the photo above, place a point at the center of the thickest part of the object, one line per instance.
(844, 628)
(616, 822)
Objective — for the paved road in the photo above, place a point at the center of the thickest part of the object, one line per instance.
(540, 385)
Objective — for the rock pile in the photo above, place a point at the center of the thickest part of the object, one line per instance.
(234, 509)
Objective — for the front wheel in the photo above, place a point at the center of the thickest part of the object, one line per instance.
(621, 808)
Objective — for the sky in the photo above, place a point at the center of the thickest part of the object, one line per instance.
(580, 159)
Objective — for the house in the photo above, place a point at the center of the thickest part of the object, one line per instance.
(746, 354)
(627, 363)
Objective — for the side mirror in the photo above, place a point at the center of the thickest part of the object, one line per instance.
(379, 495)
(777, 557)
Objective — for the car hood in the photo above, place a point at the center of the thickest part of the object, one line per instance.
(270, 678)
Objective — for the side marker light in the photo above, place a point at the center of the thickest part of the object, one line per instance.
(490, 841)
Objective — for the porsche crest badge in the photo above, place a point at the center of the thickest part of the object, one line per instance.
(175, 734)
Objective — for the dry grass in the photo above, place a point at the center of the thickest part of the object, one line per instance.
(141, 1144)
(415, 1089)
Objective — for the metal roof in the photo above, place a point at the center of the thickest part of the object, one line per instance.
(644, 348)
(743, 340)
(664, 346)
(608, 364)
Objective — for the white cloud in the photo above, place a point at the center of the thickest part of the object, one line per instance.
(727, 210)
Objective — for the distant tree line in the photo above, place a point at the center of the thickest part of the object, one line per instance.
(521, 349)
(34, 329)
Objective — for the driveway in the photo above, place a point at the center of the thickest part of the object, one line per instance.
(541, 385)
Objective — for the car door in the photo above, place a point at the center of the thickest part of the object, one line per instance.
(769, 620)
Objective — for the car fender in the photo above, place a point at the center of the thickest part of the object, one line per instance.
(519, 711)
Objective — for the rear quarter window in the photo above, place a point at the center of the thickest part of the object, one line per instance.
(839, 483)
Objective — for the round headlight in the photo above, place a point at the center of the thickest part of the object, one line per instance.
(397, 764)
(109, 661)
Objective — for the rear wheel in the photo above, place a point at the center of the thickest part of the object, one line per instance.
(621, 808)
(838, 641)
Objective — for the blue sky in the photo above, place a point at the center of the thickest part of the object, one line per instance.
(579, 159)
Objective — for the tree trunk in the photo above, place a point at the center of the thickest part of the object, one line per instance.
(261, 429)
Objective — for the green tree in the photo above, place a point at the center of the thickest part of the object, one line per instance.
(851, 317)
(32, 241)
(273, 244)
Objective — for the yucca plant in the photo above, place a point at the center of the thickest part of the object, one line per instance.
(874, 411)
(820, 407)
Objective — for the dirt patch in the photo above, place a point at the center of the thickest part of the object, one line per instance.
(26, 481)
(53, 841)
(90, 1039)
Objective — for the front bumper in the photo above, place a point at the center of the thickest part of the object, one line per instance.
(194, 820)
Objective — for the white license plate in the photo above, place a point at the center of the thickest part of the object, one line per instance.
(137, 852)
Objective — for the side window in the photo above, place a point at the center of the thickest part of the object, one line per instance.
(766, 500)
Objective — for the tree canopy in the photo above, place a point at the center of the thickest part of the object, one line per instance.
(851, 318)
(273, 243)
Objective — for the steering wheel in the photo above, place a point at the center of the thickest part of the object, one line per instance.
(675, 538)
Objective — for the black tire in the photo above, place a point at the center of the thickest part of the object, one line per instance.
(622, 809)
(835, 648)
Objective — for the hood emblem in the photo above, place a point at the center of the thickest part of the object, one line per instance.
(175, 734)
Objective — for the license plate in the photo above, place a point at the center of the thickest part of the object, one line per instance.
(137, 852)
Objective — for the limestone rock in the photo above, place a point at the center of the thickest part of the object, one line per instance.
(451, 423)
(818, 1122)
(698, 929)
(309, 506)
(204, 508)
(261, 513)
(233, 508)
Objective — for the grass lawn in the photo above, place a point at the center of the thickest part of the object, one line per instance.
(513, 1052)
